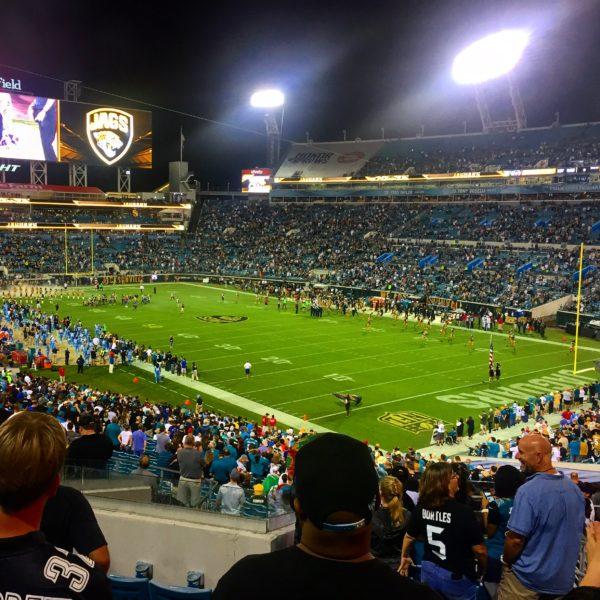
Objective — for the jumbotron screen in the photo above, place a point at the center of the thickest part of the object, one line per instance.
(256, 181)
(46, 129)
(28, 127)
(105, 135)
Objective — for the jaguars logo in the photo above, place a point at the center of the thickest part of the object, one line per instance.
(410, 421)
(110, 133)
(222, 319)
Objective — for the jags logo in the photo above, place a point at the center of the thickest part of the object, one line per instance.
(222, 319)
(109, 132)
(411, 421)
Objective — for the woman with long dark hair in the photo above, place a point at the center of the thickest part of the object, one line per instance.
(455, 556)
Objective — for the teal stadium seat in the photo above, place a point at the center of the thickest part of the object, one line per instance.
(129, 588)
(166, 592)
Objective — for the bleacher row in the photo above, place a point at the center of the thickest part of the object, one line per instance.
(123, 463)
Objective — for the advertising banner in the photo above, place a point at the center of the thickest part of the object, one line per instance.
(332, 159)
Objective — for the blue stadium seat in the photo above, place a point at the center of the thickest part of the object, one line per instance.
(167, 592)
(129, 588)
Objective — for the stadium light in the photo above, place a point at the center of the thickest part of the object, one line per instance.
(490, 57)
(267, 99)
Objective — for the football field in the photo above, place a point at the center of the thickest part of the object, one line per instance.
(298, 362)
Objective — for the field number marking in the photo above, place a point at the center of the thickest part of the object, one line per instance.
(337, 377)
(277, 361)
(227, 347)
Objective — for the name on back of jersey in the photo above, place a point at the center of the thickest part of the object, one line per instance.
(437, 515)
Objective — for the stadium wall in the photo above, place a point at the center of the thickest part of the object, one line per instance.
(550, 308)
(177, 540)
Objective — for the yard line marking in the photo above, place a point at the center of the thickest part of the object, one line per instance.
(427, 374)
(459, 387)
(458, 328)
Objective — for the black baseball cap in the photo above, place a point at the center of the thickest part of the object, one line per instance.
(334, 472)
(507, 481)
(87, 421)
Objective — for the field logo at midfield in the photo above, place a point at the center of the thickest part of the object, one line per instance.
(410, 421)
(223, 319)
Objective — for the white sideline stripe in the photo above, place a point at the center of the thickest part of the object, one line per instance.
(458, 387)
(235, 399)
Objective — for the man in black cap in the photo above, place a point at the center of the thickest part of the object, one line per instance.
(91, 449)
(335, 492)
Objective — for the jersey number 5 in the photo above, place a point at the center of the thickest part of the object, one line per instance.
(441, 547)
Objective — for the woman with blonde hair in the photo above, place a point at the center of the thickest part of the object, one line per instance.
(452, 537)
(389, 522)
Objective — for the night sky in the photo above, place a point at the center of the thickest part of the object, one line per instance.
(358, 66)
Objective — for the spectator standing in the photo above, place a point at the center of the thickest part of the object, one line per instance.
(453, 539)
(146, 476)
(470, 427)
(190, 469)
(91, 449)
(80, 363)
(162, 439)
(139, 440)
(112, 431)
(69, 522)
(389, 522)
(221, 467)
(125, 438)
(495, 515)
(548, 514)
(231, 497)
(32, 453)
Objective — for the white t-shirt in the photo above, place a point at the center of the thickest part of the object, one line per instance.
(247, 366)
(125, 437)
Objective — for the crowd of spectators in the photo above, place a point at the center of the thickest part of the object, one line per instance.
(341, 245)
(417, 493)
(527, 149)
(34, 214)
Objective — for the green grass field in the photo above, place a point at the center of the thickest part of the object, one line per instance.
(298, 362)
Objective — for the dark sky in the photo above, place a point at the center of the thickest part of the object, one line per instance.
(358, 66)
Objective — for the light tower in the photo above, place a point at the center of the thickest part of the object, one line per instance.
(272, 101)
(490, 58)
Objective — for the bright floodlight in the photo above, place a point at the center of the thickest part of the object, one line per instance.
(490, 57)
(267, 99)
